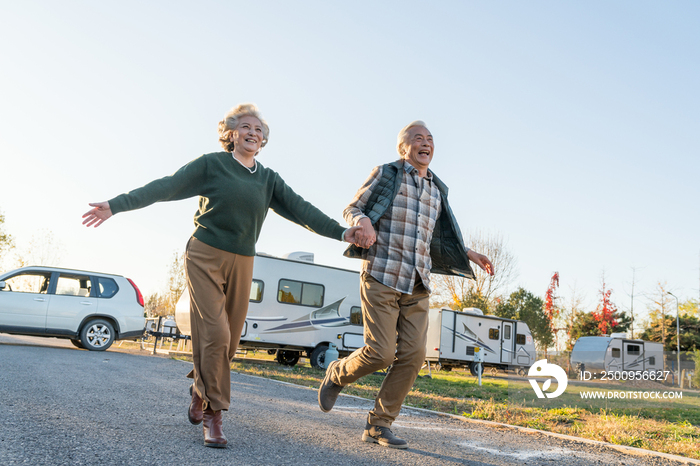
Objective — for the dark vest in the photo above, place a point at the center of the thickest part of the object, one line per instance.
(447, 251)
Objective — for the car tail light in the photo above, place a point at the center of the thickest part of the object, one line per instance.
(139, 296)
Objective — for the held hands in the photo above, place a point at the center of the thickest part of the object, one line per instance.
(362, 235)
(365, 237)
(482, 261)
(98, 215)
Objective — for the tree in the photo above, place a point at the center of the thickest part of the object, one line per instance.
(604, 313)
(7, 243)
(551, 309)
(632, 295)
(689, 332)
(659, 308)
(485, 290)
(163, 304)
(689, 307)
(586, 325)
(43, 249)
(156, 305)
(523, 305)
(569, 315)
(176, 280)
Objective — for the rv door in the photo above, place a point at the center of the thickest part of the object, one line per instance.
(507, 343)
(632, 356)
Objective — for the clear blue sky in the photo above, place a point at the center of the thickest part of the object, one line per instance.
(571, 128)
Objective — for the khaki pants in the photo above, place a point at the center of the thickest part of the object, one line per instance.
(219, 284)
(396, 328)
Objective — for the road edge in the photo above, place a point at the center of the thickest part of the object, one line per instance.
(634, 451)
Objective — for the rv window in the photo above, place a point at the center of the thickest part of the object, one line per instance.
(256, 291)
(306, 294)
(506, 332)
(289, 292)
(616, 352)
(312, 295)
(356, 315)
(493, 334)
(652, 361)
(633, 349)
(519, 339)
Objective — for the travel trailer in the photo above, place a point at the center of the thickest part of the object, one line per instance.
(297, 308)
(454, 336)
(616, 353)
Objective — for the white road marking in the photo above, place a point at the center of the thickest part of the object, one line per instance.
(526, 454)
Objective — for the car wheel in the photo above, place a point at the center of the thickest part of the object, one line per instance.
(287, 358)
(318, 357)
(97, 335)
(77, 343)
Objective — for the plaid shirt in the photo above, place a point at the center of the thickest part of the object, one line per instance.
(404, 232)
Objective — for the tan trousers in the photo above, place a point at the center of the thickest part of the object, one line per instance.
(396, 328)
(219, 284)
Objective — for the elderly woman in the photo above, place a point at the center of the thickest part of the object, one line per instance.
(235, 192)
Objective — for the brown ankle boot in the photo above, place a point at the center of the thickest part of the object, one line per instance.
(213, 433)
(194, 413)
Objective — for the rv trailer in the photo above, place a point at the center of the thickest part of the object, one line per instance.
(616, 353)
(453, 337)
(297, 307)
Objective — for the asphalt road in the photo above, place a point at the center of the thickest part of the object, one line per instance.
(61, 405)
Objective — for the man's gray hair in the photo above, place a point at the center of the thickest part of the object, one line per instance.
(403, 135)
(230, 122)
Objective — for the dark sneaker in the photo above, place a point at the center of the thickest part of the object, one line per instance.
(328, 391)
(383, 436)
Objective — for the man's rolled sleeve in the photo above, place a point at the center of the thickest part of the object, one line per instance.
(355, 211)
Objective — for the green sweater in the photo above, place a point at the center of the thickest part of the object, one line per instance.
(233, 203)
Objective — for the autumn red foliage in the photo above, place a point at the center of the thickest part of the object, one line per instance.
(604, 312)
(550, 308)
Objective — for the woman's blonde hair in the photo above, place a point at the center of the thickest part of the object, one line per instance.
(403, 135)
(230, 122)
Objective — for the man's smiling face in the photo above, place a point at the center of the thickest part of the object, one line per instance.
(418, 150)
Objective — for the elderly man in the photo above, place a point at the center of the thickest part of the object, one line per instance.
(408, 231)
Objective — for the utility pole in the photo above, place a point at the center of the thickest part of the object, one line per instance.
(632, 305)
(678, 338)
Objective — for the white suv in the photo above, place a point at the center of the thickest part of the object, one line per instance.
(91, 309)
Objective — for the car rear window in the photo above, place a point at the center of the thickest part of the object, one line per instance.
(73, 285)
(108, 287)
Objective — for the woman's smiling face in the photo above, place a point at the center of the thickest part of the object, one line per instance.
(248, 136)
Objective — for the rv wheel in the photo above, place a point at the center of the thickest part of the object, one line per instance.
(522, 372)
(287, 358)
(474, 367)
(318, 357)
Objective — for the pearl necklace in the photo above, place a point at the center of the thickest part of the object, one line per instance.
(247, 168)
